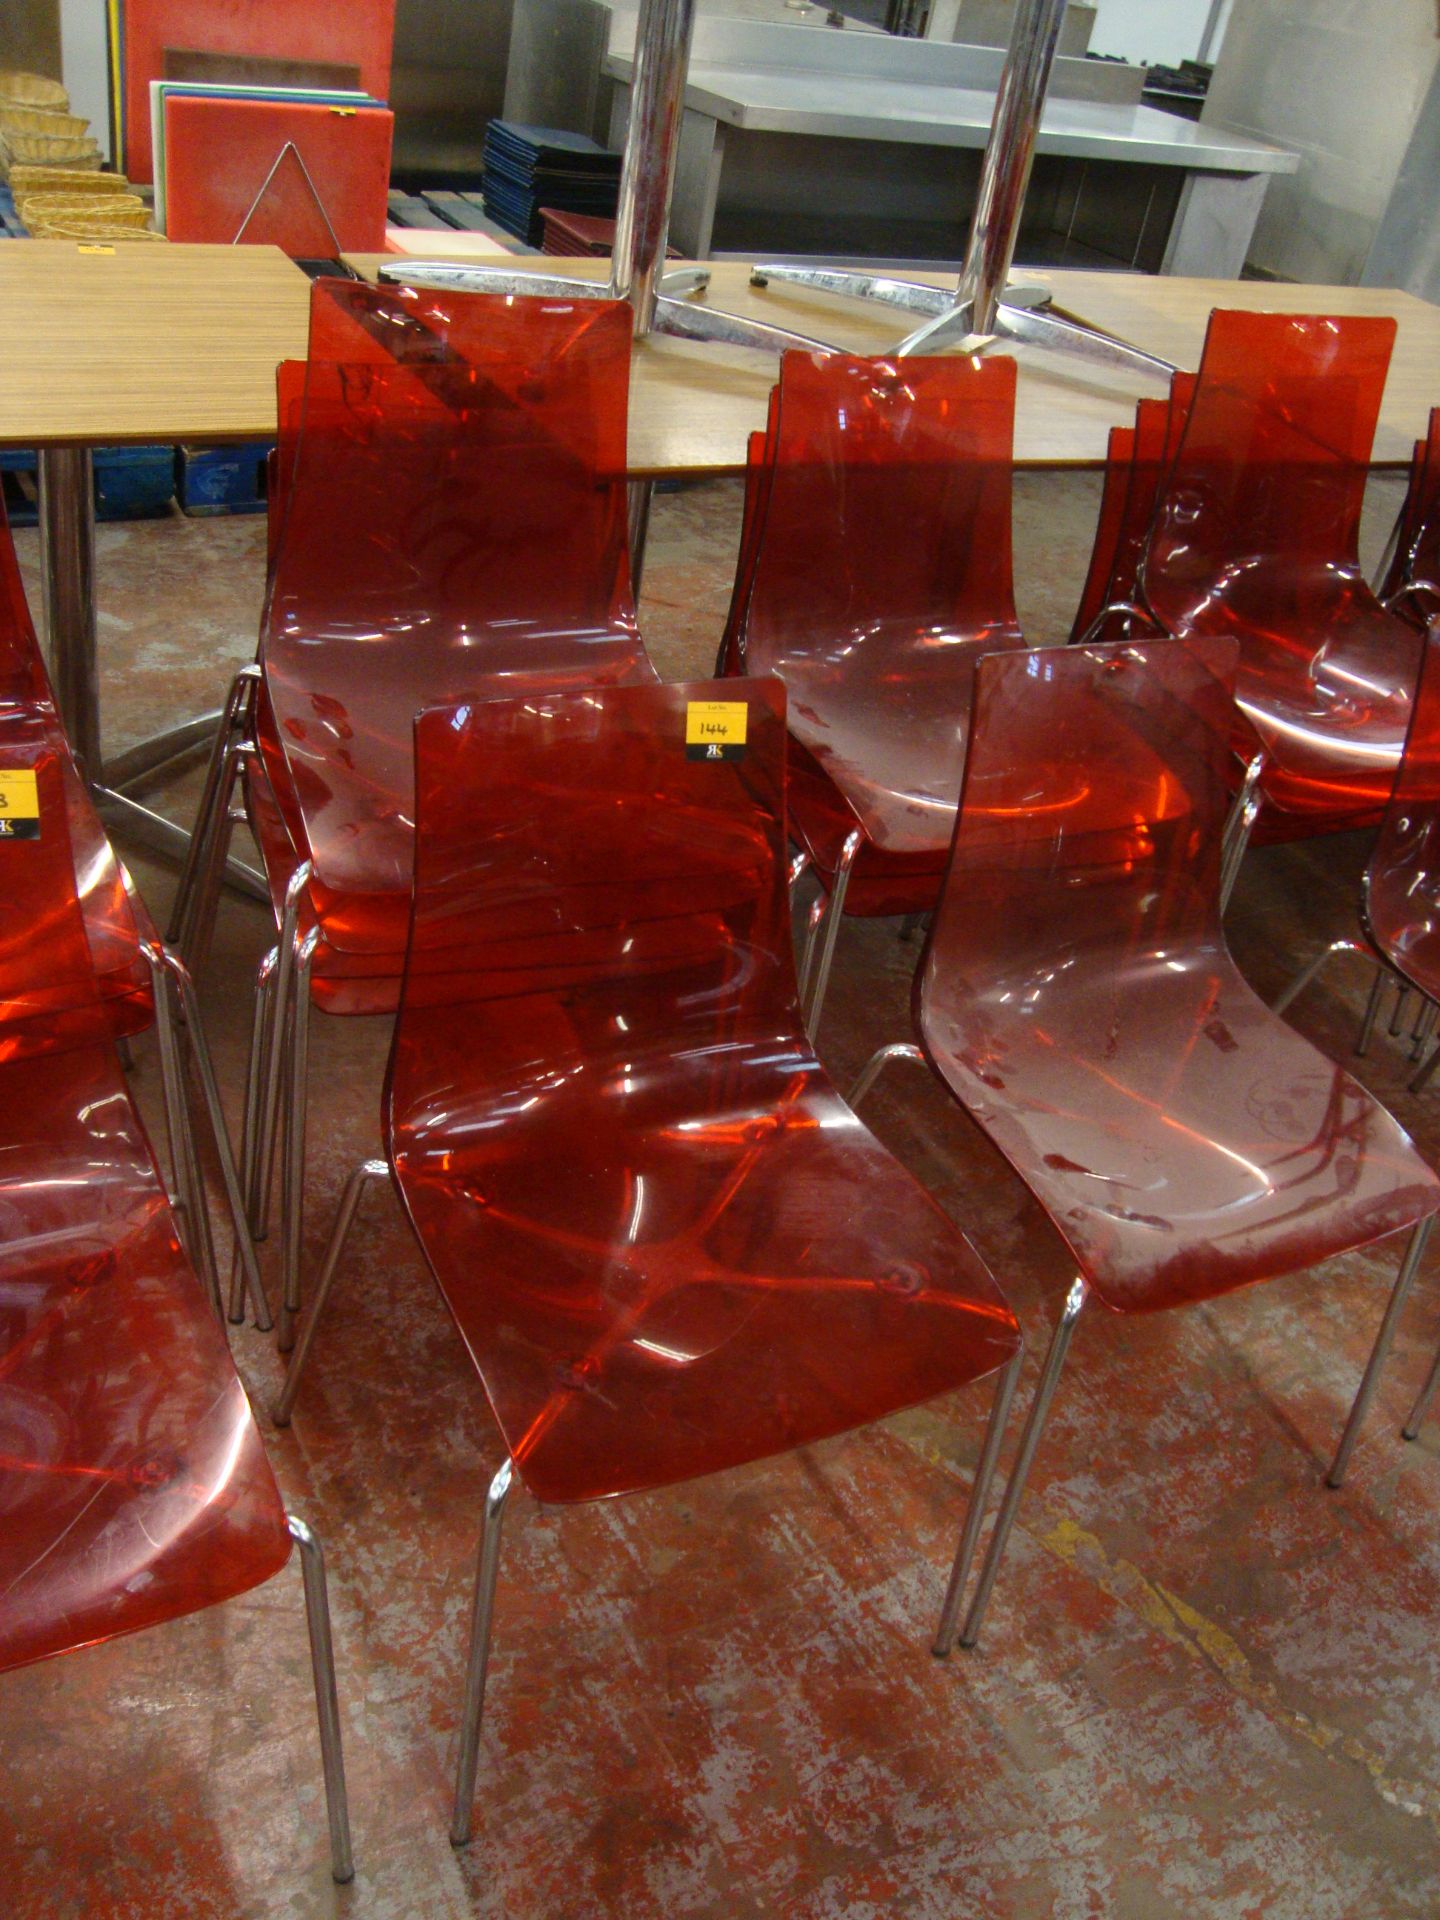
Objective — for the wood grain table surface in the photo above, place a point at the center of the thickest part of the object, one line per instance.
(144, 343)
(693, 407)
(180, 343)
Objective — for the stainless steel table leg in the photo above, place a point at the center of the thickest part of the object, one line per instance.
(67, 574)
(67, 571)
(146, 756)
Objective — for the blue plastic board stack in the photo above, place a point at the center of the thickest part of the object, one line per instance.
(530, 167)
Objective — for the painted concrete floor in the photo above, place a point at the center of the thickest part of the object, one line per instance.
(1208, 1687)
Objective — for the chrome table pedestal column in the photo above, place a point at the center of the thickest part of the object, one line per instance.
(67, 566)
(983, 310)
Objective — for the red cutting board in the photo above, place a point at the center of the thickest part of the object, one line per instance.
(218, 152)
(357, 34)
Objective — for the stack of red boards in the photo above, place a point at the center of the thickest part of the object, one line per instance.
(218, 152)
(359, 35)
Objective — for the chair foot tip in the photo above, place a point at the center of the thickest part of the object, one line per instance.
(342, 1879)
(1334, 1480)
(1409, 1433)
(458, 1840)
(279, 1417)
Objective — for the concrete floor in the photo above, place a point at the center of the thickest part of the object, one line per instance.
(1208, 1686)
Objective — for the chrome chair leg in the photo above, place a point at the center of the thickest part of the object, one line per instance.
(205, 899)
(237, 708)
(481, 1617)
(193, 1215)
(1419, 1081)
(327, 1702)
(292, 1172)
(1397, 1018)
(1307, 973)
(814, 920)
(250, 1125)
(1372, 1011)
(1239, 824)
(220, 1137)
(1414, 1252)
(282, 992)
(355, 1186)
(1019, 1473)
(1423, 1028)
(1411, 1428)
(814, 1002)
(979, 1500)
(876, 1065)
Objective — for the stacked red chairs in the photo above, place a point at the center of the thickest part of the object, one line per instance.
(1078, 1000)
(450, 525)
(875, 569)
(1399, 913)
(134, 979)
(1254, 532)
(133, 1482)
(668, 1244)
(1410, 578)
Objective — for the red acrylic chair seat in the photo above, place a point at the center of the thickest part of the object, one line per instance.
(668, 1244)
(1257, 536)
(1078, 997)
(878, 555)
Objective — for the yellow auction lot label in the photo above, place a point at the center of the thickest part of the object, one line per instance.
(715, 729)
(19, 805)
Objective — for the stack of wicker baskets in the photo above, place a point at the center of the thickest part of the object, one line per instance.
(53, 169)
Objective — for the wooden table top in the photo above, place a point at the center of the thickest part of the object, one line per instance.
(144, 343)
(180, 343)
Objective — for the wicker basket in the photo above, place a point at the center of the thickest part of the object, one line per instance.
(106, 209)
(100, 234)
(32, 90)
(64, 180)
(45, 150)
(69, 126)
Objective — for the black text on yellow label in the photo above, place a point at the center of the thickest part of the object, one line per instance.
(19, 805)
(715, 729)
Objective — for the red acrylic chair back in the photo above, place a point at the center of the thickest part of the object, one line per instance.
(886, 528)
(1402, 881)
(454, 523)
(881, 570)
(1257, 534)
(1269, 479)
(1078, 996)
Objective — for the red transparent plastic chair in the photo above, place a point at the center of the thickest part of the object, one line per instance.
(133, 1485)
(132, 977)
(1410, 580)
(668, 1244)
(1078, 999)
(1400, 901)
(1112, 602)
(1256, 535)
(879, 569)
(451, 526)
(1099, 589)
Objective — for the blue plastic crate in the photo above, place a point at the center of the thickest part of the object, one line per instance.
(131, 483)
(222, 479)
